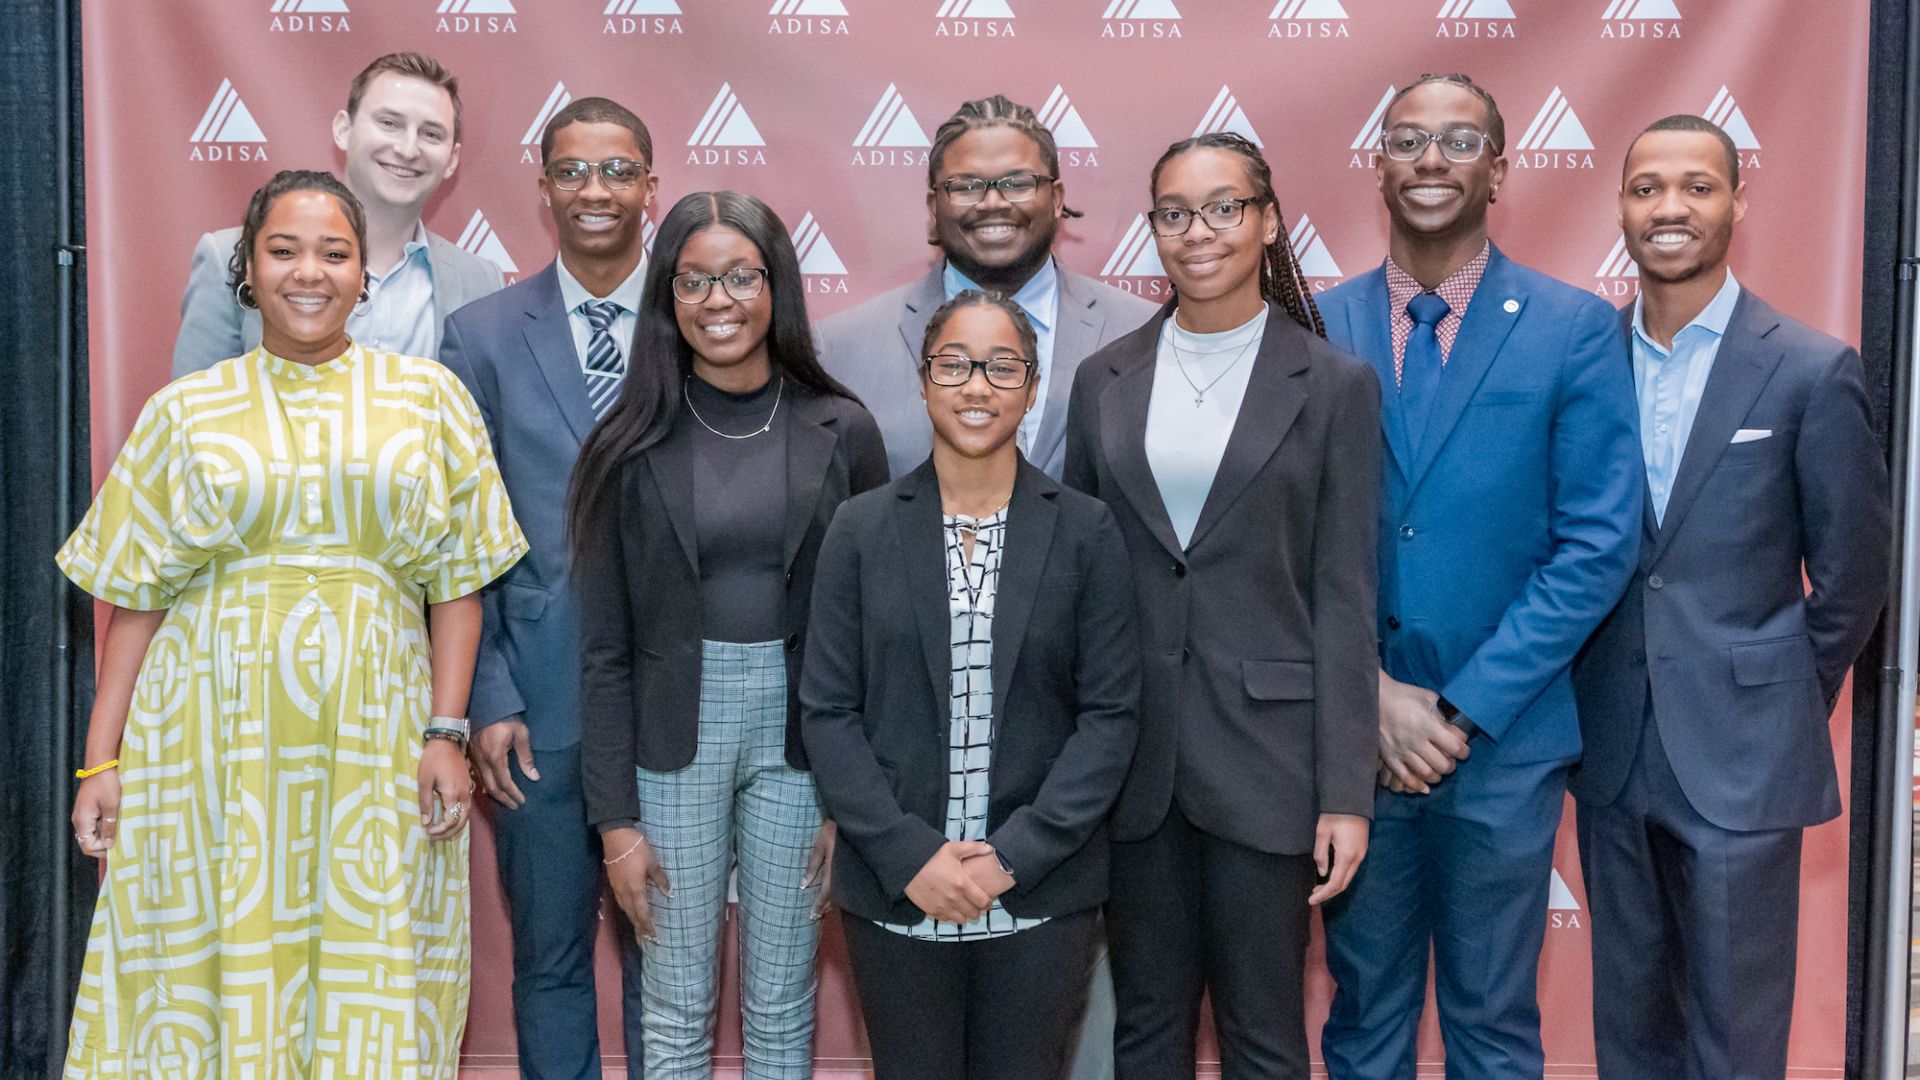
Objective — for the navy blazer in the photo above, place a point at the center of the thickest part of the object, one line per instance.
(1512, 533)
(877, 693)
(1741, 662)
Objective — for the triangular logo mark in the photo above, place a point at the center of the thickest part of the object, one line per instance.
(1225, 114)
(1475, 9)
(808, 7)
(1559, 897)
(1641, 9)
(1555, 127)
(1369, 136)
(1308, 9)
(1141, 9)
(557, 99)
(815, 250)
(1136, 256)
(891, 123)
(479, 239)
(726, 123)
(1311, 251)
(1725, 112)
(310, 7)
(647, 229)
(974, 9)
(227, 119)
(1618, 263)
(1061, 118)
(476, 7)
(642, 7)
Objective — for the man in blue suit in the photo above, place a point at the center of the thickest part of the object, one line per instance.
(1508, 528)
(544, 358)
(1705, 696)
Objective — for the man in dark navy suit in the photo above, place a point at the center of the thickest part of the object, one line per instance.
(1704, 698)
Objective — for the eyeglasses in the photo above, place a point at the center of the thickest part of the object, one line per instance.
(1219, 214)
(572, 174)
(741, 283)
(953, 369)
(1459, 145)
(971, 190)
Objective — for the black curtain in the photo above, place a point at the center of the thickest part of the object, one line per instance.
(46, 630)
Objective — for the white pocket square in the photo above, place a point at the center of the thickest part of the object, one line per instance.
(1751, 434)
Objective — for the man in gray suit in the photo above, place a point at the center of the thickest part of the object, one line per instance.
(1704, 698)
(400, 133)
(994, 203)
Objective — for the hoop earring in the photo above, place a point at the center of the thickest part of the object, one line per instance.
(243, 295)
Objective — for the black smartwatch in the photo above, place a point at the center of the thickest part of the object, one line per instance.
(1451, 714)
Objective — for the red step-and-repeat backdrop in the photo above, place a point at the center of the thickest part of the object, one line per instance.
(825, 108)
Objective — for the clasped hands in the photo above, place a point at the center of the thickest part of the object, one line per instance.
(1418, 747)
(960, 882)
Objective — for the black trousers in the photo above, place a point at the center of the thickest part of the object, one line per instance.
(1693, 933)
(1188, 913)
(1001, 1008)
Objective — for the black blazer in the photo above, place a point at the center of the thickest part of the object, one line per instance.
(1260, 685)
(1781, 475)
(876, 693)
(640, 619)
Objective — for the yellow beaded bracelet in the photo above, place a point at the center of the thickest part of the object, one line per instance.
(82, 774)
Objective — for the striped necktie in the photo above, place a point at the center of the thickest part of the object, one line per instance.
(605, 365)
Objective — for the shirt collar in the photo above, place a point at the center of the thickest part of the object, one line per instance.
(625, 296)
(1039, 297)
(1713, 318)
(1457, 289)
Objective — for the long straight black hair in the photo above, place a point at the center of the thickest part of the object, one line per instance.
(660, 359)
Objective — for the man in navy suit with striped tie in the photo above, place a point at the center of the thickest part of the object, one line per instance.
(545, 358)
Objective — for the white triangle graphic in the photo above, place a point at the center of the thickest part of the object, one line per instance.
(557, 99)
(726, 123)
(1641, 9)
(1308, 9)
(310, 7)
(1723, 110)
(227, 119)
(1369, 136)
(815, 250)
(479, 239)
(1618, 263)
(1225, 114)
(974, 9)
(1136, 255)
(476, 7)
(1555, 127)
(1060, 117)
(1476, 9)
(1559, 897)
(642, 7)
(1141, 9)
(891, 123)
(1311, 250)
(808, 7)
(647, 229)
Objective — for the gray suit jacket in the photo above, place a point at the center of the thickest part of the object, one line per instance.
(874, 349)
(213, 325)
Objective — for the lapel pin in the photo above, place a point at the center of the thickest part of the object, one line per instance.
(1512, 306)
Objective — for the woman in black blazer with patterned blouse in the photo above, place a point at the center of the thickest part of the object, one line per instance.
(969, 704)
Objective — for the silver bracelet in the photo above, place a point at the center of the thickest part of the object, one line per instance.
(624, 854)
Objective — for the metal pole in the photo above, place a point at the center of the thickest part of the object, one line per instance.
(66, 265)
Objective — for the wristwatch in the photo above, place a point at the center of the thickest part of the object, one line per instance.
(455, 729)
(1451, 714)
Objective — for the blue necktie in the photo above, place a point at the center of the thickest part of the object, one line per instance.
(1420, 369)
(605, 365)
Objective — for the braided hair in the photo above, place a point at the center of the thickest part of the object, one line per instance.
(995, 111)
(1281, 280)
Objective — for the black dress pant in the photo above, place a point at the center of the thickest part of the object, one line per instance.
(1189, 913)
(1002, 1008)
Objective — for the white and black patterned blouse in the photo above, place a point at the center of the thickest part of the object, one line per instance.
(971, 587)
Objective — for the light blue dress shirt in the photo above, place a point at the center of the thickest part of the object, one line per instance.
(1040, 299)
(1670, 382)
(625, 295)
(398, 317)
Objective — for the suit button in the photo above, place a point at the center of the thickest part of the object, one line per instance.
(789, 577)
(1655, 581)
(1179, 570)
(1406, 532)
(793, 642)
(1393, 622)
(1639, 657)
(1186, 654)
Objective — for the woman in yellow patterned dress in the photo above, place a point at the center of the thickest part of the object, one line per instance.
(286, 884)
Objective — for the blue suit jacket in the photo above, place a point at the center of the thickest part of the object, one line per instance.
(514, 350)
(1513, 532)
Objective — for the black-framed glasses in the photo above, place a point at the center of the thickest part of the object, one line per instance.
(1220, 214)
(619, 174)
(972, 190)
(1460, 145)
(954, 369)
(741, 283)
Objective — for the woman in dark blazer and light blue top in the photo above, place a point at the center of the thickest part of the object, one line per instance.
(969, 701)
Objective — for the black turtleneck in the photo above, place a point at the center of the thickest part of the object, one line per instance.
(740, 510)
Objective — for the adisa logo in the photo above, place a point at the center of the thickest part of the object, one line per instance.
(1135, 264)
(1555, 140)
(973, 18)
(1563, 911)
(1475, 19)
(1307, 19)
(227, 130)
(1140, 19)
(726, 135)
(1619, 276)
(1225, 114)
(820, 266)
(557, 99)
(1640, 19)
(1366, 145)
(309, 17)
(647, 231)
(476, 17)
(891, 136)
(1310, 251)
(1723, 110)
(478, 238)
(633, 17)
(807, 17)
(1070, 135)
